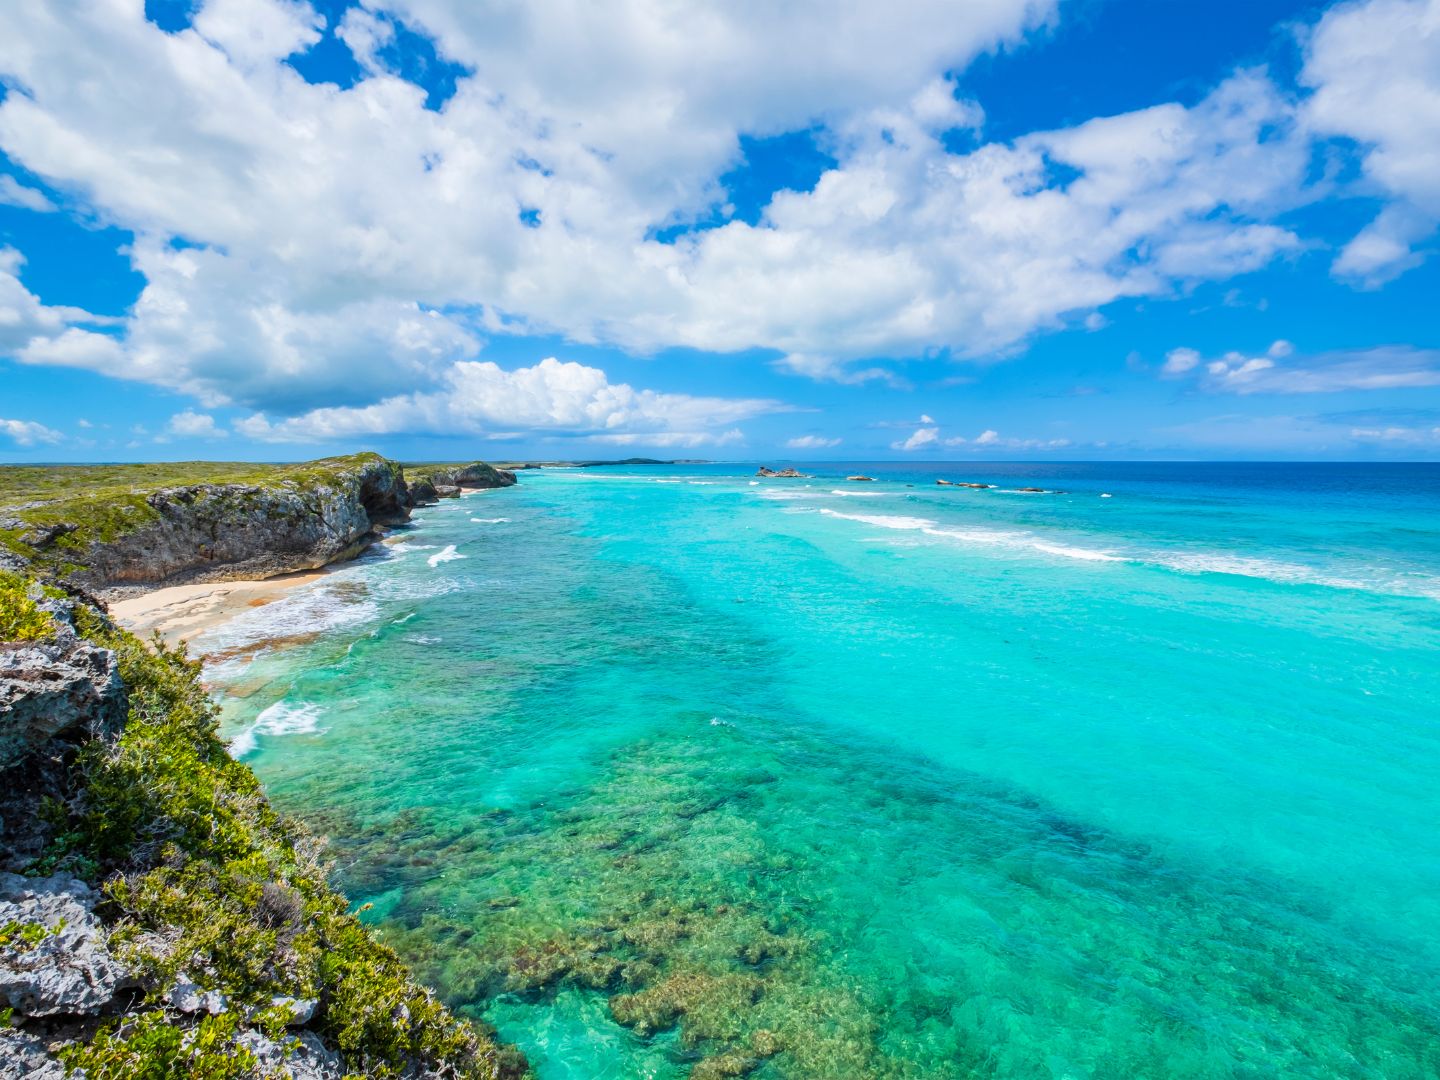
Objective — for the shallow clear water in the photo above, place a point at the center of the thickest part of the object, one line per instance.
(667, 769)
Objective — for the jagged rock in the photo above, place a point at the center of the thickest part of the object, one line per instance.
(226, 532)
(65, 688)
(24, 1057)
(309, 1060)
(301, 1009)
(427, 484)
(422, 492)
(867, 479)
(69, 971)
(188, 997)
(789, 473)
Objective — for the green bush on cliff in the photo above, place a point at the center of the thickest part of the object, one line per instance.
(209, 883)
(20, 616)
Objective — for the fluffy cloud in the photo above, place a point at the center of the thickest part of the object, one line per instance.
(318, 281)
(1375, 70)
(930, 438)
(28, 432)
(564, 399)
(1388, 367)
(313, 288)
(14, 193)
(811, 442)
(919, 439)
(195, 425)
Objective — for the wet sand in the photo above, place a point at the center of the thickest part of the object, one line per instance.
(183, 612)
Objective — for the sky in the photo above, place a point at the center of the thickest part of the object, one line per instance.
(724, 229)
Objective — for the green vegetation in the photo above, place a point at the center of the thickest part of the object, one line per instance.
(20, 616)
(24, 936)
(204, 881)
(148, 1047)
(51, 514)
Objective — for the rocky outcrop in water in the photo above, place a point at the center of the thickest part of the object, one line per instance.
(430, 483)
(784, 474)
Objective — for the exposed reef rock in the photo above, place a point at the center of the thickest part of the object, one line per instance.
(790, 473)
(867, 479)
(168, 921)
(962, 484)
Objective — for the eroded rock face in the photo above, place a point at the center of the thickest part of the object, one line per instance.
(431, 485)
(64, 688)
(24, 1057)
(68, 970)
(220, 532)
(308, 1060)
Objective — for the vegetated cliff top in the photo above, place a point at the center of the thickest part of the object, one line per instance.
(32, 486)
(65, 509)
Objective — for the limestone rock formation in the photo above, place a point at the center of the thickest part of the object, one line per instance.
(222, 532)
(789, 473)
(58, 962)
(62, 688)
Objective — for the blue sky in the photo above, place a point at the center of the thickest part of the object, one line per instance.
(1025, 229)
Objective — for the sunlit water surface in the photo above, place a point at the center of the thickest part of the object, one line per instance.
(661, 770)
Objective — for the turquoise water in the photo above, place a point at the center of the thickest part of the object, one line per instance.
(674, 772)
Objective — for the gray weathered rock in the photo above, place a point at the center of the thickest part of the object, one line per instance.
(70, 971)
(226, 532)
(309, 1060)
(301, 1009)
(61, 688)
(189, 997)
(24, 1057)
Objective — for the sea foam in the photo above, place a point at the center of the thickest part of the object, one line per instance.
(448, 554)
(282, 718)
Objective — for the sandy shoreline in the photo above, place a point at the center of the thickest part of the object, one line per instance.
(183, 612)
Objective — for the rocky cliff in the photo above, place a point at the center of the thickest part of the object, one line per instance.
(157, 917)
(122, 530)
(430, 483)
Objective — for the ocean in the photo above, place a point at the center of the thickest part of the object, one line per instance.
(677, 771)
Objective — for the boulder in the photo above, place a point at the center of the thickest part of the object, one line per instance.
(790, 473)
(447, 491)
(867, 479)
(67, 971)
(304, 1057)
(24, 1057)
(61, 688)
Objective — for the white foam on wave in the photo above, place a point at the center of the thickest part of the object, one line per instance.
(448, 554)
(1419, 585)
(332, 604)
(404, 546)
(489, 521)
(1293, 573)
(885, 521)
(1077, 553)
(1012, 539)
(860, 494)
(282, 718)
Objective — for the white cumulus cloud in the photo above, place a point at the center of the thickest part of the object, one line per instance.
(811, 442)
(555, 397)
(28, 432)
